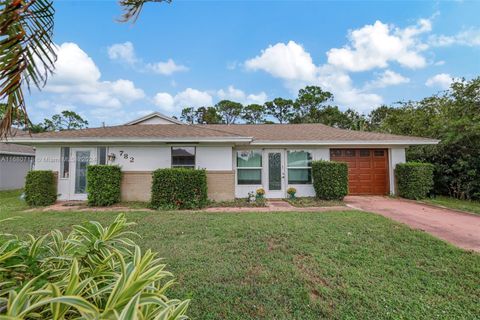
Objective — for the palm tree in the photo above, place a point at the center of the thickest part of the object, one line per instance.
(27, 51)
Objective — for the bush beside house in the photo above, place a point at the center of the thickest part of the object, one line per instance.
(40, 188)
(103, 185)
(414, 179)
(179, 188)
(330, 179)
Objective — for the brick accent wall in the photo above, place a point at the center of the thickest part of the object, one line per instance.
(221, 185)
(136, 185)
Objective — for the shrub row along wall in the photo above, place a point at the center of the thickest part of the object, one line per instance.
(414, 179)
(330, 179)
(179, 188)
(40, 188)
(103, 185)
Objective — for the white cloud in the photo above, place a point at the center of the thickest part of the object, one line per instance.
(187, 98)
(374, 46)
(166, 68)
(387, 78)
(78, 79)
(287, 61)
(234, 94)
(469, 37)
(123, 52)
(441, 80)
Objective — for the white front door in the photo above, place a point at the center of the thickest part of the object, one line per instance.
(82, 157)
(275, 173)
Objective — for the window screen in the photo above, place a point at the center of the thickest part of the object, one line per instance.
(183, 157)
(249, 167)
(299, 167)
(64, 162)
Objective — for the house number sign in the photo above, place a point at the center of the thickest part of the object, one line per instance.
(126, 156)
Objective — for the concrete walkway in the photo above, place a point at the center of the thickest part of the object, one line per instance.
(460, 229)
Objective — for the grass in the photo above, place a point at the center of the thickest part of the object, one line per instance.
(303, 202)
(338, 265)
(463, 205)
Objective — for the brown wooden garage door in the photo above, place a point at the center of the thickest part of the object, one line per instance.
(367, 170)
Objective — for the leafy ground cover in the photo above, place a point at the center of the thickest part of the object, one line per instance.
(292, 265)
(304, 202)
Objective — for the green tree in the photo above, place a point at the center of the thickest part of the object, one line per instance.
(208, 115)
(66, 120)
(188, 115)
(254, 114)
(27, 51)
(281, 109)
(229, 111)
(309, 100)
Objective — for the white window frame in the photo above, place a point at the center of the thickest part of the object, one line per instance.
(98, 154)
(260, 151)
(184, 165)
(62, 163)
(310, 168)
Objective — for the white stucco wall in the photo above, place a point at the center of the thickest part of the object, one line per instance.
(214, 158)
(146, 158)
(149, 158)
(396, 156)
(303, 190)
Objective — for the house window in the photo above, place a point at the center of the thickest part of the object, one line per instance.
(350, 153)
(249, 167)
(183, 157)
(299, 167)
(64, 162)
(379, 153)
(364, 153)
(102, 155)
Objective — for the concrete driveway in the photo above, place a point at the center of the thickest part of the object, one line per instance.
(460, 229)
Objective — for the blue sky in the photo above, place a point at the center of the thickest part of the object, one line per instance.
(193, 53)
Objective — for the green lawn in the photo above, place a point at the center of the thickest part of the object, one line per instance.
(464, 205)
(342, 265)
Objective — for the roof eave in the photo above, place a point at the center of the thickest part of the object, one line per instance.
(347, 142)
(130, 140)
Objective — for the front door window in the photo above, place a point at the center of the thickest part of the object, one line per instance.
(274, 171)
(82, 161)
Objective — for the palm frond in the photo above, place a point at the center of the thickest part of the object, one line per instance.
(132, 8)
(27, 53)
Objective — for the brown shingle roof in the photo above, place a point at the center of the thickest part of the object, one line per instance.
(308, 132)
(138, 131)
(262, 132)
(9, 148)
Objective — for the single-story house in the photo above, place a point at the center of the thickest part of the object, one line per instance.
(15, 162)
(238, 158)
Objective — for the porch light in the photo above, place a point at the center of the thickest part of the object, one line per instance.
(111, 157)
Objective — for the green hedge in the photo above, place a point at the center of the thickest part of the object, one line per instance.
(40, 188)
(179, 189)
(414, 179)
(330, 179)
(103, 185)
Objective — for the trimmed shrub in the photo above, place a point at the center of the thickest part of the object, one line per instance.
(40, 188)
(330, 179)
(179, 188)
(414, 179)
(103, 185)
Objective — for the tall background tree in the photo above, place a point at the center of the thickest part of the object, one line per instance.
(280, 109)
(27, 51)
(229, 111)
(254, 114)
